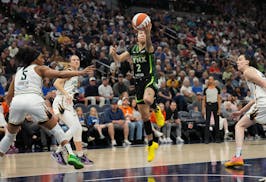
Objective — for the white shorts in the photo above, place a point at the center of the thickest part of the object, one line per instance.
(61, 100)
(23, 104)
(260, 114)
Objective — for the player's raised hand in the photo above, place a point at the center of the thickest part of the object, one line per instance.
(148, 27)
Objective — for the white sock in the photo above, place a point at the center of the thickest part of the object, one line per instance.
(79, 153)
(238, 151)
(226, 131)
(58, 133)
(69, 149)
(6, 142)
(59, 149)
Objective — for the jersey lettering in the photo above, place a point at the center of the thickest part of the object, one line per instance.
(24, 76)
(138, 59)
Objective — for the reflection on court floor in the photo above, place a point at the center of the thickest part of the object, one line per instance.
(190, 162)
(254, 170)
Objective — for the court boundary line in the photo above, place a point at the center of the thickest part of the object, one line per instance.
(176, 175)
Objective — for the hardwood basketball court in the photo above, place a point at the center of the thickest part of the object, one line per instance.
(173, 162)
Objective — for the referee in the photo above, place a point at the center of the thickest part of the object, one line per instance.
(211, 104)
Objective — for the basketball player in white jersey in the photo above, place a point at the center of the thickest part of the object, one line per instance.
(63, 108)
(25, 92)
(254, 111)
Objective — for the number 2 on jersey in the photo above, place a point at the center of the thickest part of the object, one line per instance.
(138, 67)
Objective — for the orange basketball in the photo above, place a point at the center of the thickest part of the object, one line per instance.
(140, 21)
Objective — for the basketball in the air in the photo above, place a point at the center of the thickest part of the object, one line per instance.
(140, 21)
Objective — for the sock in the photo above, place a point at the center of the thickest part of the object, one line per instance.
(148, 130)
(238, 151)
(59, 149)
(150, 142)
(69, 149)
(6, 142)
(79, 153)
(226, 131)
(58, 133)
(155, 139)
(147, 127)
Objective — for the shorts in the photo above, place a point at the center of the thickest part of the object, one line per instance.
(61, 100)
(259, 112)
(141, 84)
(23, 104)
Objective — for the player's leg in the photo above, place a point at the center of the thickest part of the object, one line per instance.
(16, 117)
(240, 127)
(58, 109)
(152, 146)
(70, 118)
(41, 113)
(10, 136)
(57, 131)
(149, 98)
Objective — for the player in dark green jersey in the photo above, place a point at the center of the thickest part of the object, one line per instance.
(142, 55)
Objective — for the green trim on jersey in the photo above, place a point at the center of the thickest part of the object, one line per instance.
(151, 65)
(138, 101)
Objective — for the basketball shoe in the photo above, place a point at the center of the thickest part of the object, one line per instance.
(151, 151)
(59, 158)
(235, 161)
(85, 160)
(74, 161)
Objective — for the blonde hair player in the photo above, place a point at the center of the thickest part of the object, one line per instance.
(254, 111)
(25, 91)
(142, 55)
(63, 108)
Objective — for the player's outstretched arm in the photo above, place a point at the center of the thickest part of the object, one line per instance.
(121, 57)
(45, 71)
